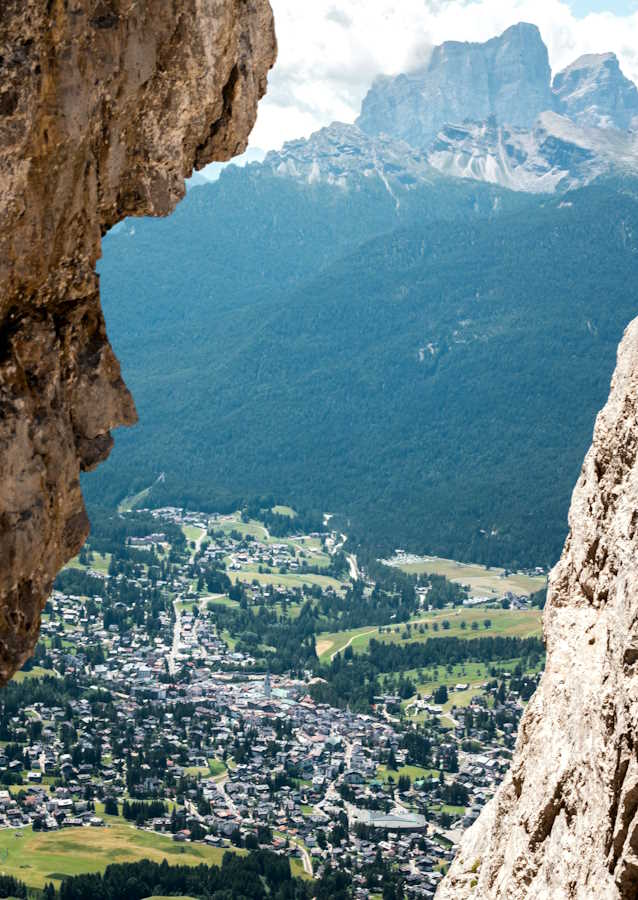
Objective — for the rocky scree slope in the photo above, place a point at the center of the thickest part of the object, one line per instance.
(105, 107)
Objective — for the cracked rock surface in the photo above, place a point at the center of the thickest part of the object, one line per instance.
(105, 107)
(564, 823)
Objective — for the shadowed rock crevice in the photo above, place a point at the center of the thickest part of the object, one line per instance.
(105, 107)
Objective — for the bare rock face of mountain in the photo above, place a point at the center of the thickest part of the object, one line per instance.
(490, 112)
(508, 77)
(555, 155)
(564, 823)
(341, 154)
(105, 107)
(594, 92)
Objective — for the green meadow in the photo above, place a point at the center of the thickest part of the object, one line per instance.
(39, 857)
(460, 622)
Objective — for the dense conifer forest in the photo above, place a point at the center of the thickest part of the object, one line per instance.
(431, 371)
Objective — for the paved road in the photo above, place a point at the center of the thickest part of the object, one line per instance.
(221, 785)
(355, 572)
(305, 857)
(177, 630)
(177, 636)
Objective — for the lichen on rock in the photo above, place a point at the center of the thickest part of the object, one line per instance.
(105, 107)
(564, 823)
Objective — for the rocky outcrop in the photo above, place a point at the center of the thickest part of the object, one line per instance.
(564, 823)
(490, 112)
(343, 154)
(555, 155)
(594, 92)
(105, 107)
(507, 78)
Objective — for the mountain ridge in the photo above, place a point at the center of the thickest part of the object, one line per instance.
(485, 111)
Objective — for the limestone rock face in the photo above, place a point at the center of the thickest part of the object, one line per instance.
(564, 823)
(507, 78)
(594, 92)
(105, 107)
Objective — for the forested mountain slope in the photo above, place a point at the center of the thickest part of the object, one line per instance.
(430, 367)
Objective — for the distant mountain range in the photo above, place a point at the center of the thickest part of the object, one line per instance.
(351, 326)
(489, 112)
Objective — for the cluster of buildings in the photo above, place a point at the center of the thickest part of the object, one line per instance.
(245, 756)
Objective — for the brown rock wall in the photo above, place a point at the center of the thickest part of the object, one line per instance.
(105, 107)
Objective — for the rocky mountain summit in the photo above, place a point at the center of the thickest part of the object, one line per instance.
(594, 92)
(555, 155)
(508, 78)
(489, 112)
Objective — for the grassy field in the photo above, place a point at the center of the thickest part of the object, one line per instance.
(100, 563)
(38, 857)
(253, 528)
(187, 605)
(515, 623)
(415, 773)
(191, 533)
(221, 600)
(216, 767)
(483, 582)
(284, 511)
(330, 643)
(132, 502)
(475, 675)
(290, 581)
(297, 869)
(35, 672)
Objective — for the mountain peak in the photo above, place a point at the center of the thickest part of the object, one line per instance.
(508, 78)
(593, 91)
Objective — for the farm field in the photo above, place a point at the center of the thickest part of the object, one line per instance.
(298, 580)
(39, 857)
(504, 622)
(482, 581)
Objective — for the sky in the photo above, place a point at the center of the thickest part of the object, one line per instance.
(331, 50)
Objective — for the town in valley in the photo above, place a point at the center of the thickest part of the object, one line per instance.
(213, 682)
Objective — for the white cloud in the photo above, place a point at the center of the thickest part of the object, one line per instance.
(330, 50)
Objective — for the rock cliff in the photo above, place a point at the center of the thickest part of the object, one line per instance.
(564, 823)
(594, 92)
(507, 77)
(105, 107)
